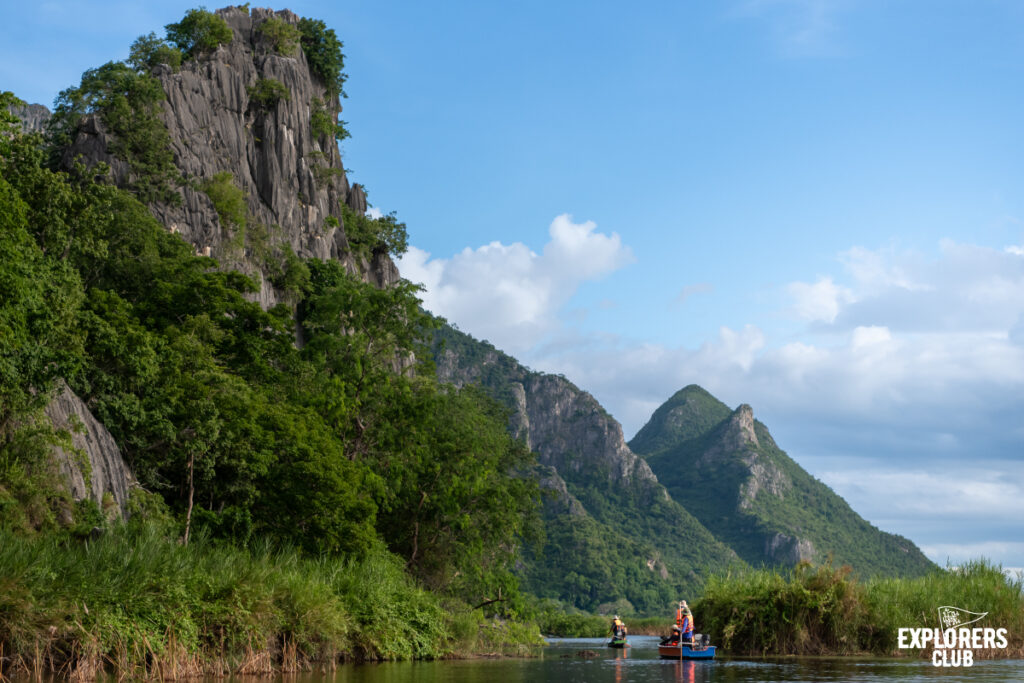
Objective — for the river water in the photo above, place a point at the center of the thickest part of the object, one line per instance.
(561, 662)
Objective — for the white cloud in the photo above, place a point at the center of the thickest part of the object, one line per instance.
(820, 301)
(510, 294)
(908, 367)
(374, 213)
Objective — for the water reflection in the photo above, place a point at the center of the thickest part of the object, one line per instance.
(589, 661)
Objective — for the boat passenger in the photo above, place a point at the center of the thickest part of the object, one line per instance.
(684, 622)
(618, 628)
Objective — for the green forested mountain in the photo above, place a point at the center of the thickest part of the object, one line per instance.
(613, 532)
(724, 466)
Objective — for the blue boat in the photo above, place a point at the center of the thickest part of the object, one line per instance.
(671, 650)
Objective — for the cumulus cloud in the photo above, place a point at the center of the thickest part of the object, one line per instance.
(510, 294)
(902, 368)
(820, 301)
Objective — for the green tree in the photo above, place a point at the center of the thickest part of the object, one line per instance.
(199, 31)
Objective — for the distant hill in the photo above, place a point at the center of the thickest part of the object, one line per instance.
(613, 531)
(724, 466)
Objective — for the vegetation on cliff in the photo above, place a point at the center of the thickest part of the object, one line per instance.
(346, 448)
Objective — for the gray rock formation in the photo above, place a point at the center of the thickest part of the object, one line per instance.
(788, 550)
(293, 178)
(94, 468)
(33, 116)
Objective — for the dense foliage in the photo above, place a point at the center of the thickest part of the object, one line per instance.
(367, 235)
(341, 447)
(827, 610)
(144, 608)
(228, 199)
(323, 52)
(127, 101)
(267, 92)
(692, 423)
(283, 36)
(199, 31)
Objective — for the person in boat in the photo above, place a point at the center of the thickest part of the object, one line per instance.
(684, 622)
(618, 628)
(683, 628)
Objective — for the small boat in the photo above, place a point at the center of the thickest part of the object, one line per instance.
(618, 642)
(697, 649)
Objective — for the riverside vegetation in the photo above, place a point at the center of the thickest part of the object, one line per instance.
(298, 505)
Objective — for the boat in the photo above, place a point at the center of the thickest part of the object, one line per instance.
(699, 648)
(618, 642)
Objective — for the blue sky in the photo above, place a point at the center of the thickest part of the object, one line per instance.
(813, 207)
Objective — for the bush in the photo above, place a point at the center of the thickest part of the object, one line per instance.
(200, 31)
(268, 92)
(228, 199)
(323, 52)
(128, 103)
(323, 124)
(149, 51)
(366, 235)
(284, 36)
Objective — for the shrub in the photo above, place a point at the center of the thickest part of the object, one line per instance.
(323, 52)
(323, 124)
(366, 235)
(149, 51)
(200, 31)
(284, 36)
(228, 199)
(325, 174)
(268, 92)
(128, 103)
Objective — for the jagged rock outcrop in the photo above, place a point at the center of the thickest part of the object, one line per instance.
(293, 178)
(558, 499)
(603, 505)
(33, 116)
(727, 469)
(788, 550)
(95, 468)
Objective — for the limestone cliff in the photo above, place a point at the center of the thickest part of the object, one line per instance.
(754, 497)
(94, 469)
(293, 178)
(612, 526)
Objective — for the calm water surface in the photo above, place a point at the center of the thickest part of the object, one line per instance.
(559, 663)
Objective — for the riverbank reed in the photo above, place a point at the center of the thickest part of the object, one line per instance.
(822, 610)
(138, 605)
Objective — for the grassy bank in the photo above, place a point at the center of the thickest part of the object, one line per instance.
(136, 604)
(823, 610)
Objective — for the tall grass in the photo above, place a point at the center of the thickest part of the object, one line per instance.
(824, 610)
(136, 604)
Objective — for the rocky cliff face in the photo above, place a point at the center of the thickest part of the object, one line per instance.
(95, 468)
(734, 478)
(33, 116)
(293, 179)
(606, 513)
(566, 427)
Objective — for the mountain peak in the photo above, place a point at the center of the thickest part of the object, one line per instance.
(690, 413)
